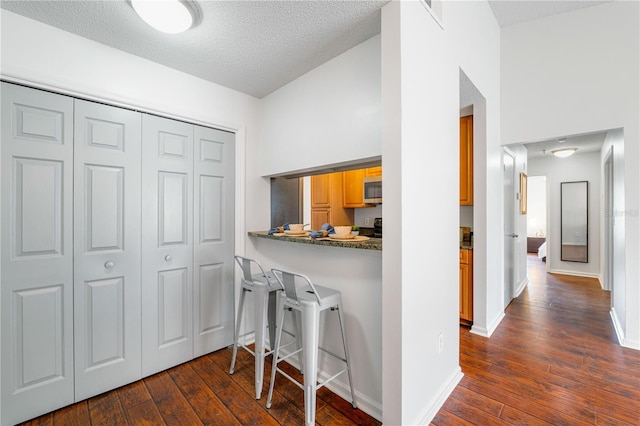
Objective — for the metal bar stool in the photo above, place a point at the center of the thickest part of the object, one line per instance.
(265, 288)
(309, 301)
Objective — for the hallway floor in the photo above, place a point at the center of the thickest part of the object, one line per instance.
(554, 359)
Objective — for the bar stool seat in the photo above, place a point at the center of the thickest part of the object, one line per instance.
(265, 288)
(309, 301)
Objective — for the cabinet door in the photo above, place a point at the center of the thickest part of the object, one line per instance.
(167, 246)
(321, 191)
(213, 239)
(107, 287)
(352, 188)
(466, 287)
(373, 171)
(36, 252)
(320, 216)
(466, 161)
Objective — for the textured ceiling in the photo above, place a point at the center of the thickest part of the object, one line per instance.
(254, 47)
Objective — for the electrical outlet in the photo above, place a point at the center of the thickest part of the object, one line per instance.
(367, 221)
(440, 342)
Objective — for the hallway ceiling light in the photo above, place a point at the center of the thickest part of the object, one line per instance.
(168, 16)
(564, 152)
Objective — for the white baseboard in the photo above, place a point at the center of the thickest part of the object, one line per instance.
(573, 273)
(622, 339)
(431, 411)
(616, 325)
(487, 332)
(520, 288)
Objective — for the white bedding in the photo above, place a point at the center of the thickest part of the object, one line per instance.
(542, 250)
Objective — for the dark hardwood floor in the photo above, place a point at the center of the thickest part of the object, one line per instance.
(202, 392)
(554, 360)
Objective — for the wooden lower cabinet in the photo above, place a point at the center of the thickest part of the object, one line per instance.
(466, 286)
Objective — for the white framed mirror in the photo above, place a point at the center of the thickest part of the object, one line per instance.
(574, 221)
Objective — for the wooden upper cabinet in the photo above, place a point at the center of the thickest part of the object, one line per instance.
(321, 191)
(353, 186)
(373, 171)
(352, 189)
(466, 161)
(326, 201)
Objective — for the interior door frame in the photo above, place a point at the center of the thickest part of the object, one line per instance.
(609, 222)
(506, 291)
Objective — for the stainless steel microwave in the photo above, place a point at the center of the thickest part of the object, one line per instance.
(372, 190)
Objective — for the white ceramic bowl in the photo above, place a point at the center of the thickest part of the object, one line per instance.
(296, 227)
(342, 231)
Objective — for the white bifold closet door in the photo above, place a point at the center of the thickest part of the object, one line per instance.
(107, 242)
(36, 252)
(167, 243)
(187, 248)
(214, 222)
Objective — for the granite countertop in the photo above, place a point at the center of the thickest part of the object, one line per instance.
(370, 244)
(466, 245)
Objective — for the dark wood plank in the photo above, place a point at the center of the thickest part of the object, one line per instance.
(106, 409)
(554, 359)
(133, 394)
(202, 399)
(246, 409)
(72, 415)
(46, 420)
(144, 414)
(171, 404)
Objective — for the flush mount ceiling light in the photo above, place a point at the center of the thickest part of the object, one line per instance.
(564, 152)
(168, 16)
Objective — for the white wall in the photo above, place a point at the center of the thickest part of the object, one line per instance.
(330, 115)
(420, 147)
(536, 206)
(615, 141)
(575, 73)
(578, 167)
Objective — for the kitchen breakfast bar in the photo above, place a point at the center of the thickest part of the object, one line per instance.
(355, 269)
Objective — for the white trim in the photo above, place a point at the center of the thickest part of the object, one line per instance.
(574, 273)
(616, 325)
(487, 332)
(520, 288)
(430, 412)
(71, 88)
(622, 340)
(432, 12)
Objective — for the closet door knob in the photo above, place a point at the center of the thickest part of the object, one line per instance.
(109, 265)
(167, 258)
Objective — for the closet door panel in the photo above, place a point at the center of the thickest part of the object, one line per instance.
(107, 297)
(214, 239)
(167, 247)
(36, 252)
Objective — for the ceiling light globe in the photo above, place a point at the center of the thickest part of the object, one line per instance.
(563, 153)
(168, 16)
